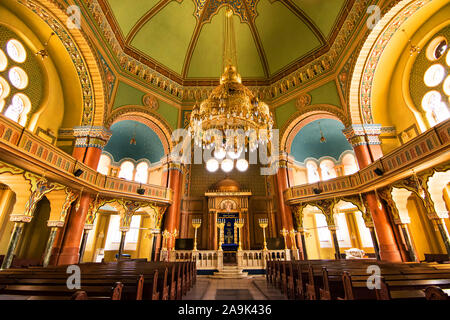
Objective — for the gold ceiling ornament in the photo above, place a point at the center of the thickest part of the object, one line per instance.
(231, 106)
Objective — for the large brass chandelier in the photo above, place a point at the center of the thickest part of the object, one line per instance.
(232, 120)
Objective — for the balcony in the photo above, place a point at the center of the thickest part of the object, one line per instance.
(425, 151)
(23, 149)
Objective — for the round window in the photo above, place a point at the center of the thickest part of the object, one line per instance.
(18, 78)
(434, 75)
(16, 51)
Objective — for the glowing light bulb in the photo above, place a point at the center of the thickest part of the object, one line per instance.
(212, 165)
(242, 165)
(227, 165)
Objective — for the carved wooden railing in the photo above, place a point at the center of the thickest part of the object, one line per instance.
(22, 148)
(430, 146)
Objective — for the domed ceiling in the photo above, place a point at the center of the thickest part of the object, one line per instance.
(148, 146)
(306, 143)
(185, 37)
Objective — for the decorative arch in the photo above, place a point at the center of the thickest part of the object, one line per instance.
(361, 85)
(301, 118)
(149, 118)
(83, 57)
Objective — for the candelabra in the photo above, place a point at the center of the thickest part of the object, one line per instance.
(263, 223)
(196, 223)
(166, 235)
(173, 235)
(292, 234)
(221, 225)
(284, 233)
(239, 223)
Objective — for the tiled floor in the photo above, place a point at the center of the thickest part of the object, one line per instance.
(252, 288)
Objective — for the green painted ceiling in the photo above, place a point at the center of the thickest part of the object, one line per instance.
(307, 143)
(186, 36)
(148, 146)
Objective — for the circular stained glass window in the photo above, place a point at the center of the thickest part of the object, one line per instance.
(431, 99)
(437, 48)
(3, 61)
(18, 78)
(447, 86)
(4, 88)
(434, 75)
(16, 51)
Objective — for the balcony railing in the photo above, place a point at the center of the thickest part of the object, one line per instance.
(427, 146)
(25, 145)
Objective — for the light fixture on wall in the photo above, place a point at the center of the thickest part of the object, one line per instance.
(322, 138)
(44, 52)
(133, 138)
(412, 48)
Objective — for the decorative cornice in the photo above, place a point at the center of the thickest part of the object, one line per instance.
(296, 75)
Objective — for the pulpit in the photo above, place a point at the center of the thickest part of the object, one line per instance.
(228, 203)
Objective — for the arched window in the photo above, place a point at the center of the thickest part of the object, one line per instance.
(126, 170)
(141, 172)
(103, 164)
(17, 106)
(342, 230)
(364, 232)
(349, 163)
(435, 102)
(322, 231)
(327, 169)
(313, 173)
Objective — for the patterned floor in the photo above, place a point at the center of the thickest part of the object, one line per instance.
(252, 288)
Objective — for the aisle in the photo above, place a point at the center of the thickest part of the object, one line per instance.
(252, 288)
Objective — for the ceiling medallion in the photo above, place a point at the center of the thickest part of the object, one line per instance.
(231, 111)
(206, 9)
(150, 101)
(303, 101)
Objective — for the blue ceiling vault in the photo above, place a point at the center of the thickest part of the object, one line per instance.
(148, 146)
(307, 143)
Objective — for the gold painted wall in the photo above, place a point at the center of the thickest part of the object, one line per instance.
(392, 105)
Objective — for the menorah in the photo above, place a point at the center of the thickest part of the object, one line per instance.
(263, 223)
(166, 234)
(284, 233)
(221, 225)
(196, 223)
(292, 234)
(239, 224)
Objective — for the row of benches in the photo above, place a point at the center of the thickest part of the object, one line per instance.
(123, 280)
(357, 280)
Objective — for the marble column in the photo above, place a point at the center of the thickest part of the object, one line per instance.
(121, 245)
(337, 250)
(83, 244)
(15, 238)
(407, 237)
(54, 226)
(173, 215)
(284, 211)
(376, 248)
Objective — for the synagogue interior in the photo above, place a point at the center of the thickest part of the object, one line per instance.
(179, 149)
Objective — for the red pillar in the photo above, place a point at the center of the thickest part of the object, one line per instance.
(367, 147)
(284, 211)
(89, 144)
(386, 239)
(172, 221)
(74, 232)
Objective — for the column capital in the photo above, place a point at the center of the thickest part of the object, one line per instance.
(20, 218)
(57, 223)
(91, 136)
(363, 134)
